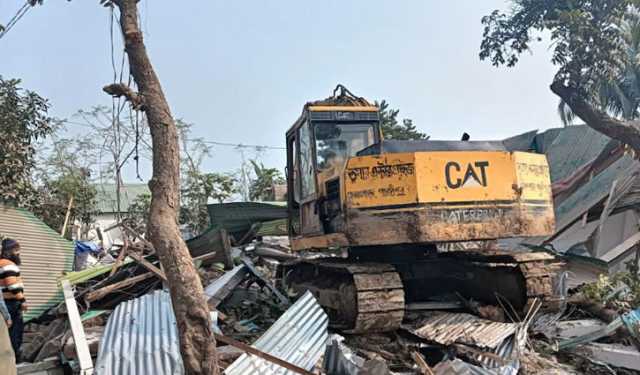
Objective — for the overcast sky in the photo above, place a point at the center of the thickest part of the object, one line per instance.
(241, 70)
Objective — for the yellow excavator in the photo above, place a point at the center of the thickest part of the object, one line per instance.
(385, 224)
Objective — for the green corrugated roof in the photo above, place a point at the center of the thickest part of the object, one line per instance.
(106, 198)
(45, 257)
(571, 148)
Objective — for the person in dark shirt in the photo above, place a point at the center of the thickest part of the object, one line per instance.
(13, 290)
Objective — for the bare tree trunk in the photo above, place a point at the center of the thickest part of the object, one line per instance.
(627, 132)
(197, 342)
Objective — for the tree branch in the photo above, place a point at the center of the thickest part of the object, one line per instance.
(120, 89)
(627, 132)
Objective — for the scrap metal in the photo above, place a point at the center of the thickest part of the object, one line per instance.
(297, 337)
(141, 337)
(450, 328)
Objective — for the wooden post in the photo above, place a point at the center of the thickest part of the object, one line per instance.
(66, 217)
(79, 339)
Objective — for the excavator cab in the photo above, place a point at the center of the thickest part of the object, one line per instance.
(319, 144)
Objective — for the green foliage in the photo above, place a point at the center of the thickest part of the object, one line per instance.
(261, 187)
(586, 40)
(66, 173)
(620, 95)
(23, 121)
(198, 186)
(391, 129)
(138, 213)
(622, 290)
(197, 189)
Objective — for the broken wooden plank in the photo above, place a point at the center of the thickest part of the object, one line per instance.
(220, 288)
(120, 258)
(422, 364)
(258, 353)
(146, 264)
(100, 293)
(79, 338)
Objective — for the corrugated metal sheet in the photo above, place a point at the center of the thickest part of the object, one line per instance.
(572, 147)
(340, 359)
(141, 337)
(449, 328)
(45, 256)
(298, 336)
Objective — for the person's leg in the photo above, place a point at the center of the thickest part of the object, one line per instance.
(16, 330)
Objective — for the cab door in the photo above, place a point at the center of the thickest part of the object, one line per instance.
(302, 174)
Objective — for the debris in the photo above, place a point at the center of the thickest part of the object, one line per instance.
(450, 328)
(146, 264)
(264, 282)
(225, 284)
(602, 332)
(100, 293)
(339, 359)
(48, 366)
(214, 240)
(82, 348)
(258, 353)
(457, 366)
(422, 364)
(615, 355)
(574, 328)
(434, 305)
(141, 337)
(297, 337)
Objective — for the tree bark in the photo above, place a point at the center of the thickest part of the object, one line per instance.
(627, 132)
(197, 342)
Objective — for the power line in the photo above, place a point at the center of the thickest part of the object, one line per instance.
(217, 143)
(19, 14)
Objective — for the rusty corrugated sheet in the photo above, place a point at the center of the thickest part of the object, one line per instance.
(45, 256)
(449, 328)
(141, 337)
(299, 337)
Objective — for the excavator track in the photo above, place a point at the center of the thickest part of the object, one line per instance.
(359, 298)
(370, 297)
(539, 274)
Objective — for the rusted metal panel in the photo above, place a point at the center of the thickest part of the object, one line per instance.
(450, 328)
(299, 337)
(45, 257)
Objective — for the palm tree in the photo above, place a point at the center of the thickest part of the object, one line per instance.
(619, 96)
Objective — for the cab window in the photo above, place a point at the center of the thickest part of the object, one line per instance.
(307, 176)
(335, 143)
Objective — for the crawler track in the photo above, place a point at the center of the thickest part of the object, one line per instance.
(359, 298)
(370, 297)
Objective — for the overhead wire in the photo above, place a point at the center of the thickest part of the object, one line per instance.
(12, 22)
(217, 143)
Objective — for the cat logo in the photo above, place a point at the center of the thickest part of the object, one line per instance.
(475, 174)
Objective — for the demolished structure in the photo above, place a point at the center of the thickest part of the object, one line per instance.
(264, 325)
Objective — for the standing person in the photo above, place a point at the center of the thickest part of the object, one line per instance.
(13, 290)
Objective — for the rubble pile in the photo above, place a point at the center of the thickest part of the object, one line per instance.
(262, 326)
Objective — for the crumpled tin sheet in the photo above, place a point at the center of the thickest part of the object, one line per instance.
(299, 337)
(141, 337)
(460, 328)
(340, 359)
(457, 366)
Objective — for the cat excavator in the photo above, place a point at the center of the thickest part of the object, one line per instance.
(382, 225)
